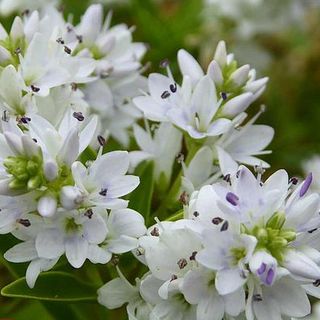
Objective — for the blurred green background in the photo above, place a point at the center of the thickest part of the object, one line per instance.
(282, 42)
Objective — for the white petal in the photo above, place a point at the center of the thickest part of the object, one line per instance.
(122, 186)
(97, 254)
(189, 66)
(229, 280)
(50, 244)
(22, 252)
(95, 229)
(76, 251)
(116, 293)
(237, 104)
(70, 149)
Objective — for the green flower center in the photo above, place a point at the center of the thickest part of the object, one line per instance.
(71, 226)
(273, 237)
(238, 254)
(27, 173)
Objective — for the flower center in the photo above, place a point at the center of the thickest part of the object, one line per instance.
(273, 237)
(71, 226)
(27, 173)
(238, 254)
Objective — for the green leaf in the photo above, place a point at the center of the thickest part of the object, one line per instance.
(140, 199)
(52, 286)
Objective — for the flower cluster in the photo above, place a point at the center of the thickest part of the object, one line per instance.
(244, 248)
(81, 126)
(53, 114)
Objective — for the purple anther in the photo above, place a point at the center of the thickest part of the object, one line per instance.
(232, 198)
(306, 184)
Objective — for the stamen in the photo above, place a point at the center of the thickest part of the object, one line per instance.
(182, 263)
(173, 87)
(164, 63)
(17, 50)
(173, 277)
(74, 86)
(155, 232)
(34, 88)
(217, 220)
(79, 38)
(5, 116)
(293, 180)
(101, 140)
(89, 213)
(262, 269)
(312, 230)
(165, 94)
(60, 40)
(316, 283)
(224, 96)
(270, 276)
(67, 50)
(232, 198)
(24, 119)
(24, 222)
(224, 226)
(103, 192)
(180, 157)
(193, 256)
(78, 115)
(140, 251)
(257, 297)
(184, 198)
(306, 185)
(196, 214)
(227, 178)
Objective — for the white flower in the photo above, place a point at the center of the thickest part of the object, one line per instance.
(227, 253)
(198, 288)
(162, 148)
(124, 227)
(102, 183)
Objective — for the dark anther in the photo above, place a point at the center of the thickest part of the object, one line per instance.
(89, 213)
(69, 29)
(25, 12)
(101, 140)
(238, 174)
(165, 94)
(79, 38)
(115, 260)
(257, 297)
(193, 256)
(155, 232)
(224, 96)
(173, 277)
(196, 214)
(103, 192)
(173, 87)
(78, 115)
(23, 119)
(164, 63)
(227, 178)
(224, 226)
(35, 140)
(34, 88)
(67, 50)
(217, 220)
(5, 116)
(180, 157)
(312, 230)
(18, 50)
(140, 252)
(293, 180)
(184, 198)
(316, 283)
(60, 40)
(74, 86)
(24, 222)
(182, 263)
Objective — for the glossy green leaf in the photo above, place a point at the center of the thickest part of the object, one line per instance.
(52, 286)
